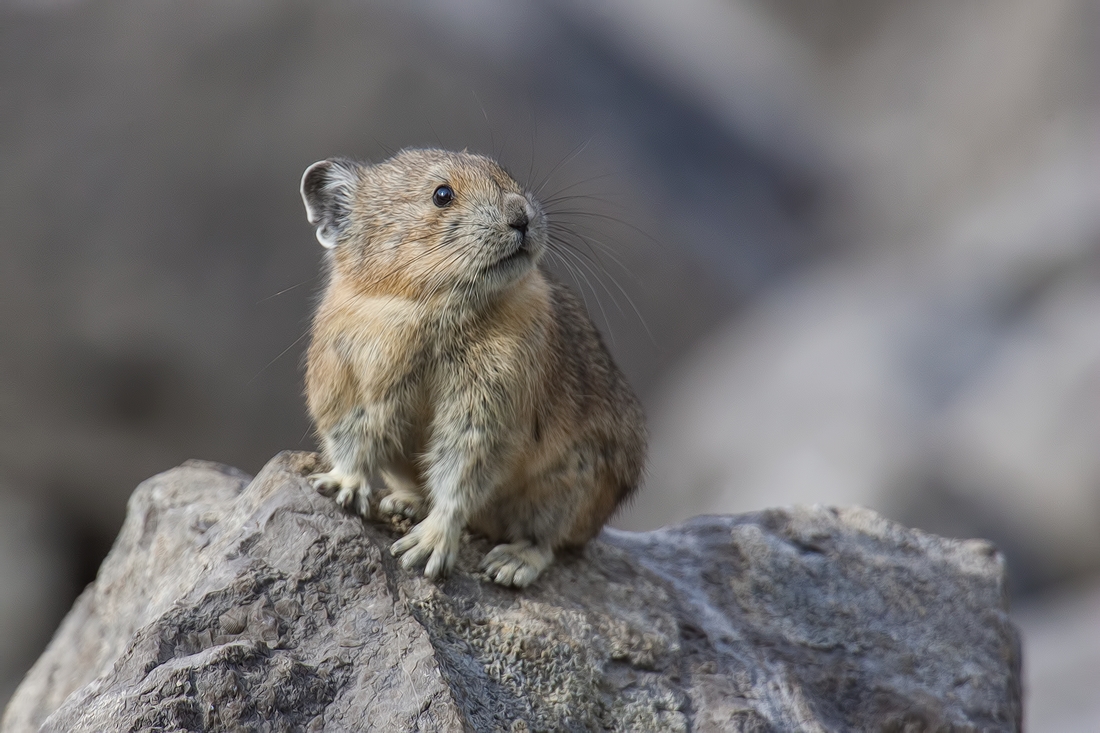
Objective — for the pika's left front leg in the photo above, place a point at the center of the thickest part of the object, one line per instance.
(469, 454)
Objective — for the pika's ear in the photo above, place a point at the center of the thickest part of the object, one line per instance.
(327, 191)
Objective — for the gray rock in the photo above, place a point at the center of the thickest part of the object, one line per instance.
(235, 605)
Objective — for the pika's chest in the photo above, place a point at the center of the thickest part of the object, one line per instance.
(393, 346)
(384, 341)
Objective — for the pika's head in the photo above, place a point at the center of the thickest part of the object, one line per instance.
(425, 222)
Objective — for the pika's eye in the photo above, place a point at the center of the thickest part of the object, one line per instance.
(443, 196)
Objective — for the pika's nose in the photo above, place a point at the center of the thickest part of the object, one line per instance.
(519, 222)
(516, 210)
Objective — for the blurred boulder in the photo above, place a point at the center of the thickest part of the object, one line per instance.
(796, 402)
(1062, 653)
(941, 368)
(1023, 442)
(953, 386)
(226, 603)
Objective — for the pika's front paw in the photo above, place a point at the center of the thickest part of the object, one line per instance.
(516, 564)
(403, 504)
(352, 492)
(432, 540)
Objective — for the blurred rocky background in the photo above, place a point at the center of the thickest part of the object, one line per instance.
(848, 250)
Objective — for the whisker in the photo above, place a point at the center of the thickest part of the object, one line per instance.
(582, 260)
(281, 353)
(591, 264)
(534, 136)
(576, 151)
(285, 290)
(573, 274)
(608, 251)
(606, 217)
(595, 293)
(573, 185)
(488, 125)
(447, 242)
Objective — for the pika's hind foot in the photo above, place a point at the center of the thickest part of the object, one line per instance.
(352, 491)
(403, 504)
(517, 564)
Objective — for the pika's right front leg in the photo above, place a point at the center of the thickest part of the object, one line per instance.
(351, 488)
(354, 446)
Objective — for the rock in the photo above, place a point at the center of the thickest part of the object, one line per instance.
(229, 605)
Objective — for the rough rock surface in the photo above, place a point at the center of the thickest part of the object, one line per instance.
(229, 604)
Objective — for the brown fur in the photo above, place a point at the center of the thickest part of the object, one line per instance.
(480, 392)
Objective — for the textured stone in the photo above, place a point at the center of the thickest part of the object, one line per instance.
(235, 605)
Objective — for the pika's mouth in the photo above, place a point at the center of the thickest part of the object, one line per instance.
(517, 256)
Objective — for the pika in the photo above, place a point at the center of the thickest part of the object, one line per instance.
(446, 361)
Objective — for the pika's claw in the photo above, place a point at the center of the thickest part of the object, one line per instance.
(517, 564)
(326, 484)
(355, 499)
(402, 504)
(352, 491)
(431, 541)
